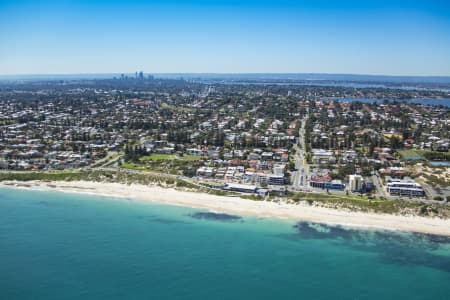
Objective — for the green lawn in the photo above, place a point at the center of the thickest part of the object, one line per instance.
(410, 155)
(155, 156)
(190, 157)
(131, 166)
(159, 157)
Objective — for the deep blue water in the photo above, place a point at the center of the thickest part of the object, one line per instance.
(67, 246)
(435, 102)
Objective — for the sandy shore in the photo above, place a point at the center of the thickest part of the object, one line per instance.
(234, 205)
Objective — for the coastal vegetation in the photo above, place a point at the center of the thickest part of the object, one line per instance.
(377, 205)
(346, 202)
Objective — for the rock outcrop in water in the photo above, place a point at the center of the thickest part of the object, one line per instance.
(215, 216)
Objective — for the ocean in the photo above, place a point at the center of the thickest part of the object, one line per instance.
(57, 245)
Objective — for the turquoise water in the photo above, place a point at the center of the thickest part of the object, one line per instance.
(67, 246)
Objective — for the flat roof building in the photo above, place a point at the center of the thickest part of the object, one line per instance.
(355, 182)
(243, 188)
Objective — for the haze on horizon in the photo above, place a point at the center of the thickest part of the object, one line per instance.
(347, 37)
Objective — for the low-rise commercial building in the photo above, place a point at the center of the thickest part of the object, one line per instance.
(405, 188)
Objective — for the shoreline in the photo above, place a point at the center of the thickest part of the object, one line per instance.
(243, 207)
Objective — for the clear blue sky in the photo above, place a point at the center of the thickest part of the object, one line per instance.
(331, 36)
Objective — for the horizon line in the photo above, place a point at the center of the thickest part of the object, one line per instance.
(219, 73)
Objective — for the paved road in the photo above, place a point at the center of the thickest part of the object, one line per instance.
(380, 191)
(300, 177)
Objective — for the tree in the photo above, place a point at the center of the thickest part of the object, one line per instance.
(395, 143)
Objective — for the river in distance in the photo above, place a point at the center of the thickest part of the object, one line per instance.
(57, 245)
(422, 101)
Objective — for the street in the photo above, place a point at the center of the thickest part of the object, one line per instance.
(301, 174)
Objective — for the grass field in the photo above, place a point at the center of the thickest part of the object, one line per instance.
(159, 157)
(154, 157)
(131, 166)
(411, 155)
(190, 158)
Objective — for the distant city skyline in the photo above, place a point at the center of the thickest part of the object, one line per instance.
(410, 38)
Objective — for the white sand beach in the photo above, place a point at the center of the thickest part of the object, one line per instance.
(239, 206)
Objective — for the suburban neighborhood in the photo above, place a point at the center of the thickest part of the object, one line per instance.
(262, 140)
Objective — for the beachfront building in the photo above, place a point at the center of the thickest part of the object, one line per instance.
(335, 185)
(325, 184)
(405, 188)
(319, 177)
(3, 164)
(276, 179)
(355, 183)
(206, 171)
(278, 190)
(237, 187)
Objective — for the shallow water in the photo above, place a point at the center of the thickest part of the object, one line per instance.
(71, 246)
